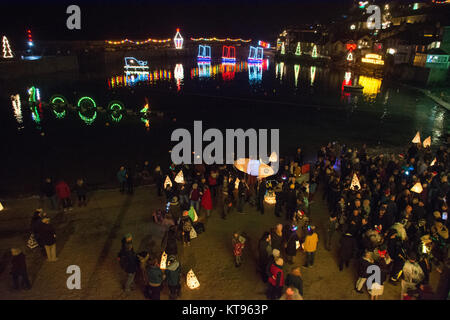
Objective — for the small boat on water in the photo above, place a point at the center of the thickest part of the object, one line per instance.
(356, 87)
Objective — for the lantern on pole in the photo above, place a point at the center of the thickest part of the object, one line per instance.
(179, 177)
(163, 264)
(191, 280)
(433, 162)
(167, 183)
(355, 183)
(427, 142)
(417, 188)
(416, 138)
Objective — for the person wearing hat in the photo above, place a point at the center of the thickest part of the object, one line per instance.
(347, 250)
(19, 270)
(276, 279)
(173, 276)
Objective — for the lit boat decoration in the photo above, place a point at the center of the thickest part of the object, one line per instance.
(133, 65)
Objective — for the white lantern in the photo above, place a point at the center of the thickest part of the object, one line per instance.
(191, 280)
(236, 183)
(416, 138)
(1, 207)
(417, 188)
(167, 183)
(433, 162)
(163, 264)
(273, 157)
(180, 177)
(297, 244)
(355, 183)
(427, 142)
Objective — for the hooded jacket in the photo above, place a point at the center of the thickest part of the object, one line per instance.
(173, 273)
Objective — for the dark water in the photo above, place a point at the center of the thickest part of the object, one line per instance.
(307, 103)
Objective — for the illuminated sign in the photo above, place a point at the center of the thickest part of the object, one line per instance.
(264, 44)
(373, 59)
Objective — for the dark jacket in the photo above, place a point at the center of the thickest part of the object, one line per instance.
(291, 240)
(155, 275)
(294, 281)
(170, 243)
(129, 260)
(362, 268)
(47, 234)
(48, 189)
(277, 241)
(173, 273)
(19, 265)
(348, 247)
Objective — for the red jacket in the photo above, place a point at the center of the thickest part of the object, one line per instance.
(206, 200)
(276, 272)
(62, 190)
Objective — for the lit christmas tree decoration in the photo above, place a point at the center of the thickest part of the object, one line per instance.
(314, 52)
(298, 50)
(178, 40)
(7, 52)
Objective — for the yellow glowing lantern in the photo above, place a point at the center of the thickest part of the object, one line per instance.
(297, 244)
(427, 142)
(163, 264)
(1, 207)
(433, 162)
(273, 157)
(167, 183)
(270, 198)
(236, 183)
(416, 138)
(417, 188)
(191, 280)
(355, 183)
(180, 177)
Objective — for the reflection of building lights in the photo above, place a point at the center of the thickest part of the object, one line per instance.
(93, 105)
(371, 85)
(313, 74)
(296, 73)
(255, 72)
(204, 69)
(283, 48)
(179, 75)
(17, 108)
(314, 52)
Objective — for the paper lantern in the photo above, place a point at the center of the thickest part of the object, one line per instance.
(236, 183)
(180, 177)
(167, 183)
(416, 138)
(1, 207)
(433, 162)
(417, 188)
(191, 280)
(355, 183)
(163, 264)
(297, 244)
(270, 198)
(427, 142)
(273, 157)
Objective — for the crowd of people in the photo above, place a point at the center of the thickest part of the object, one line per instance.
(390, 212)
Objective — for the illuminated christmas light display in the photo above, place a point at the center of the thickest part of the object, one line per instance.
(314, 52)
(373, 58)
(416, 138)
(134, 65)
(296, 73)
(58, 102)
(17, 108)
(263, 44)
(149, 40)
(256, 54)
(204, 69)
(254, 72)
(7, 52)
(178, 40)
(116, 108)
(298, 50)
(191, 280)
(355, 185)
(204, 53)
(30, 38)
(85, 104)
(221, 40)
(229, 54)
(350, 56)
(427, 142)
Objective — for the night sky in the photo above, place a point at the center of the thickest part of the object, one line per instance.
(140, 19)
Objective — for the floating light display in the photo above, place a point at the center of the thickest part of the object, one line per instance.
(279, 70)
(350, 56)
(163, 264)
(220, 40)
(87, 103)
(371, 85)
(30, 38)
(417, 188)
(7, 52)
(355, 185)
(17, 108)
(116, 108)
(58, 102)
(416, 138)
(133, 64)
(204, 52)
(254, 167)
(373, 58)
(34, 95)
(229, 54)
(178, 40)
(427, 142)
(314, 52)
(256, 54)
(179, 178)
(254, 72)
(191, 280)
(296, 73)
(298, 50)
(179, 75)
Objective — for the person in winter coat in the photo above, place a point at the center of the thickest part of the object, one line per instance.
(413, 274)
(48, 237)
(159, 180)
(277, 237)
(130, 264)
(48, 189)
(276, 280)
(207, 201)
(173, 276)
(238, 244)
(347, 250)
(155, 279)
(169, 242)
(195, 196)
(364, 263)
(186, 225)
(81, 191)
(63, 192)
(333, 224)
(294, 279)
(122, 178)
(36, 224)
(19, 270)
(265, 252)
(291, 239)
(310, 246)
(262, 188)
(291, 294)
